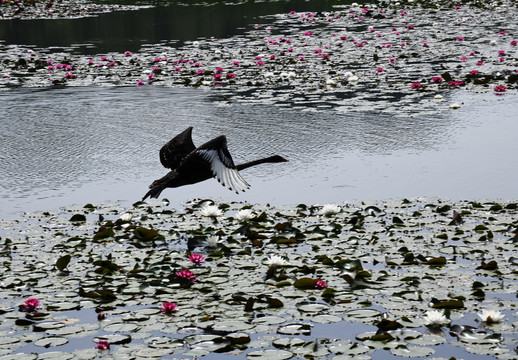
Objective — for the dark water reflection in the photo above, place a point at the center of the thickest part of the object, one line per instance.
(165, 23)
(79, 145)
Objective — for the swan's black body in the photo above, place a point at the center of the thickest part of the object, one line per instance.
(190, 164)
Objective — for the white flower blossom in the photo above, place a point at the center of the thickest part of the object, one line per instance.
(330, 209)
(435, 318)
(126, 217)
(491, 316)
(211, 211)
(213, 241)
(244, 214)
(276, 260)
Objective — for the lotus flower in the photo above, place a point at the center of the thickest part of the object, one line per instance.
(211, 211)
(491, 316)
(212, 241)
(196, 259)
(168, 307)
(186, 274)
(31, 304)
(435, 318)
(103, 345)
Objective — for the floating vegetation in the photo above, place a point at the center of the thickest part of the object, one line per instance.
(381, 57)
(401, 276)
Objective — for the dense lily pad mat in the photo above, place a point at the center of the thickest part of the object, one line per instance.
(272, 278)
(397, 57)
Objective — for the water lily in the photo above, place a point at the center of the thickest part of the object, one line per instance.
(126, 217)
(168, 307)
(320, 284)
(103, 345)
(186, 274)
(244, 214)
(416, 85)
(275, 260)
(330, 209)
(127, 53)
(437, 79)
(196, 259)
(213, 241)
(500, 89)
(31, 304)
(435, 318)
(211, 211)
(491, 316)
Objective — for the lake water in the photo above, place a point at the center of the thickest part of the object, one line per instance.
(94, 144)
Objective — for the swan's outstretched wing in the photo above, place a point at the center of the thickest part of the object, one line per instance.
(216, 154)
(177, 149)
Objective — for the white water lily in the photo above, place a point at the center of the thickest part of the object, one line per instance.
(276, 260)
(244, 214)
(211, 211)
(330, 209)
(491, 316)
(213, 241)
(455, 106)
(435, 318)
(126, 217)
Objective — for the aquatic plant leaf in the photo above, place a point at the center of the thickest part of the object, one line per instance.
(63, 262)
(305, 283)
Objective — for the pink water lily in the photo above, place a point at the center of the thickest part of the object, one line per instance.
(320, 284)
(186, 274)
(437, 79)
(103, 345)
(500, 89)
(168, 307)
(197, 258)
(31, 304)
(416, 85)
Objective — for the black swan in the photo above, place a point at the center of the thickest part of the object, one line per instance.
(190, 164)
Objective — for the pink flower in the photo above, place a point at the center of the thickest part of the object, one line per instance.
(320, 284)
(500, 89)
(480, 63)
(416, 85)
(186, 274)
(217, 77)
(140, 82)
(514, 43)
(230, 76)
(425, 43)
(301, 58)
(456, 83)
(392, 60)
(403, 13)
(168, 307)
(473, 72)
(151, 76)
(437, 79)
(317, 51)
(463, 58)
(501, 52)
(325, 56)
(501, 59)
(236, 63)
(219, 70)
(272, 57)
(111, 64)
(308, 33)
(410, 27)
(380, 70)
(200, 72)
(197, 258)
(177, 68)
(127, 53)
(69, 76)
(31, 304)
(50, 67)
(196, 64)
(104, 58)
(103, 345)
(260, 63)
(90, 62)
(460, 38)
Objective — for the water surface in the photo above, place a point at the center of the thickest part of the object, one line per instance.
(80, 145)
